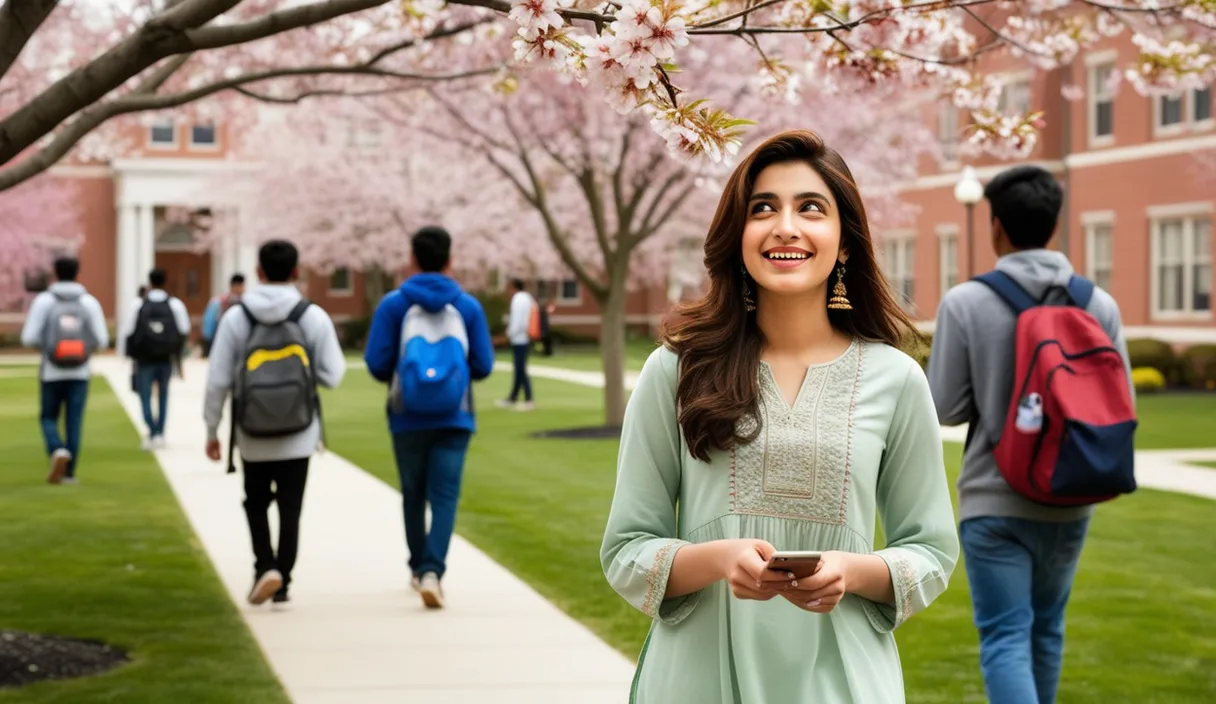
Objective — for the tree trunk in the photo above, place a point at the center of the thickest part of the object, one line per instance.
(612, 353)
(376, 283)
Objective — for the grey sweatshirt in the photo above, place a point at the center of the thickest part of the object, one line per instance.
(35, 328)
(971, 369)
(270, 303)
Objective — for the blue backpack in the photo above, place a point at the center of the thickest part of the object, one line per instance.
(432, 375)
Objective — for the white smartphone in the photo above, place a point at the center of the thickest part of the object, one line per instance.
(800, 563)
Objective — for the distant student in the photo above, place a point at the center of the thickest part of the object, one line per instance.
(429, 340)
(216, 308)
(68, 325)
(520, 335)
(270, 352)
(154, 336)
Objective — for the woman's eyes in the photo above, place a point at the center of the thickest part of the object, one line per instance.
(808, 207)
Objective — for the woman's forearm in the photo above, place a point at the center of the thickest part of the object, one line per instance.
(868, 577)
(697, 566)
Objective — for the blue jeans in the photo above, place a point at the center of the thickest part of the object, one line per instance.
(69, 396)
(1021, 575)
(145, 375)
(430, 464)
(521, 382)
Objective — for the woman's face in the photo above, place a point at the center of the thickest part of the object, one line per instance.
(791, 241)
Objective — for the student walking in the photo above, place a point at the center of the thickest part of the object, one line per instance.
(520, 335)
(780, 416)
(429, 340)
(217, 307)
(68, 325)
(1021, 548)
(270, 355)
(154, 337)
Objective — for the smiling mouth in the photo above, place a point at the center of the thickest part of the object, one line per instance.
(787, 255)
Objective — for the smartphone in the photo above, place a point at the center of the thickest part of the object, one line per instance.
(800, 563)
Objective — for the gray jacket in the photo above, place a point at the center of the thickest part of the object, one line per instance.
(270, 303)
(971, 369)
(35, 327)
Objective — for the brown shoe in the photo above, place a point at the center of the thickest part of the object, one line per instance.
(59, 465)
(265, 587)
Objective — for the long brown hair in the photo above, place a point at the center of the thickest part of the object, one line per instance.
(718, 341)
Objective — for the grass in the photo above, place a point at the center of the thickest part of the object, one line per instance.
(1142, 624)
(586, 358)
(1175, 421)
(114, 559)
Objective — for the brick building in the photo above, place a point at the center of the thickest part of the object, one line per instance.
(1139, 176)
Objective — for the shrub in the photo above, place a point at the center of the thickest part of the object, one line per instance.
(919, 350)
(1147, 379)
(354, 332)
(1197, 366)
(1155, 354)
(496, 306)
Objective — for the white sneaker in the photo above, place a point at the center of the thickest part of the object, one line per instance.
(159, 443)
(525, 406)
(265, 587)
(148, 443)
(504, 403)
(432, 593)
(59, 465)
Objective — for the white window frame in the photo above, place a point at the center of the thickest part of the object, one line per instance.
(1208, 122)
(562, 298)
(1094, 222)
(947, 235)
(948, 133)
(1189, 213)
(1188, 123)
(163, 122)
(1013, 79)
(347, 290)
(1097, 90)
(903, 276)
(203, 146)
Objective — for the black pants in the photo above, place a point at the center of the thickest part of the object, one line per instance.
(521, 382)
(288, 478)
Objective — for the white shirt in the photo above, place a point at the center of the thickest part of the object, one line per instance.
(520, 316)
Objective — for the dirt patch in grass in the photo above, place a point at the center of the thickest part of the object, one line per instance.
(595, 432)
(30, 657)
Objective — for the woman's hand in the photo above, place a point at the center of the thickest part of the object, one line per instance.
(823, 590)
(747, 573)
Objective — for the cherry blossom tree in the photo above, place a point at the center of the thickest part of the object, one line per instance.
(68, 67)
(38, 216)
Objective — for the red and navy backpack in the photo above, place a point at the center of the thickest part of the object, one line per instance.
(1069, 431)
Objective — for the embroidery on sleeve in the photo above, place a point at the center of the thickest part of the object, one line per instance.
(656, 580)
(905, 584)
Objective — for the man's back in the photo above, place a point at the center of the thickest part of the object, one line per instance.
(33, 333)
(971, 371)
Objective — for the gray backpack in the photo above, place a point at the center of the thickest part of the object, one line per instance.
(275, 391)
(67, 340)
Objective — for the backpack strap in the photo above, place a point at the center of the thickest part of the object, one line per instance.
(1080, 290)
(298, 311)
(1010, 291)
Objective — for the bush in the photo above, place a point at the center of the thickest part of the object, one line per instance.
(1197, 366)
(1154, 354)
(496, 306)
(1147, 379)
(919, 350)
(354, 332)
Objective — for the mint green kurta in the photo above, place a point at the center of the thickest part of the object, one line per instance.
(861, 440)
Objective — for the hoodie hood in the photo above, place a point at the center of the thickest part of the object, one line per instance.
(431, 291)
(67, 289)
(271, 303)
(1037, 270)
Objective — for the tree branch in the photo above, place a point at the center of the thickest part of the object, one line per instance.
(649, 228)
(19, 19)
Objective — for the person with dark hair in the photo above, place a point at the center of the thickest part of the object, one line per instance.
(429, 340)
(1021, 555)
(520, 334)
(154, 337)
(272, 351)
(68, 325)
(781, 415)
(217, 307)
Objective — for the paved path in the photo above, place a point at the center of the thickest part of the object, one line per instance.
(354, 633)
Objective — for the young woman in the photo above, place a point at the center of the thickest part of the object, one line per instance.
(779, 417)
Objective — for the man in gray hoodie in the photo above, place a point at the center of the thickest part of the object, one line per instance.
(281, 461)
(64, 388)
(1021, 556)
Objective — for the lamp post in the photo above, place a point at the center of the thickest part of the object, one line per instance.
(969, 191)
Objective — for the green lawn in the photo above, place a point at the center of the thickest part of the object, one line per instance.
(586, 358)
(1175, 421)
(114, 559)
(1142, 626)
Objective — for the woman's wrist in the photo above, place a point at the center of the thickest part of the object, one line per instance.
(867, 576)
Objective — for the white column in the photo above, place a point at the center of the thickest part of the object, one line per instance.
(126, 278)
(146, 242)
(245, 252)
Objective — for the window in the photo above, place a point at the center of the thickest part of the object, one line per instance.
(1101, 103)
(570, 290)
(163, 133)
(339, 282)
(1015, 98)
(900, 256)
(1171, 110)
(202, 136)
(546, 290)
(1201, 104)
(947, 244)
(1191, 109)
(1182, 266)
(1099, 252)
(947, 131)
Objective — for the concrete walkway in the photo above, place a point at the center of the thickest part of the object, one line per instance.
(354, 632)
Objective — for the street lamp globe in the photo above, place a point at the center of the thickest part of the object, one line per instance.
(968, 190)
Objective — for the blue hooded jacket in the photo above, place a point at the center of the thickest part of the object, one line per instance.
(432, 292)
